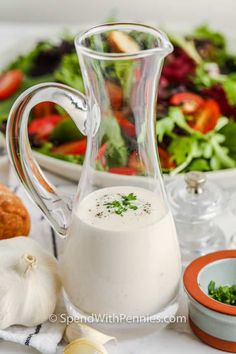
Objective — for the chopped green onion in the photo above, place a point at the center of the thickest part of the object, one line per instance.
(225, 294)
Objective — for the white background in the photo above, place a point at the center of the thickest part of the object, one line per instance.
(165, 12)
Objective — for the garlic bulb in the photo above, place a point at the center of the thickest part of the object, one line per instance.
(84, 346)
(29, 283)
(76, 330)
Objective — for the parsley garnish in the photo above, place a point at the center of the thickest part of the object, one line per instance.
(120, 207)
(225, 294)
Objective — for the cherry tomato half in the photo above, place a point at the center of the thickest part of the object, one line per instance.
(205, 120)
(128, 171)
(43, 109)
(165, 159)
(43, 127)
(101, 155)
(10, 82)
(190, 102)
(125, 124)
(74, 148)
(115, 94)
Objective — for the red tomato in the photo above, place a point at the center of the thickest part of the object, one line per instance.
(74, 148)
(190, 102)
(165, 159)
(101, 155)
(115, 94)
(205, 120)
(9, 83)
(43, 127)
(138, 73)
(135, 163)
(43, 109)
(125, 124)
(123, 171)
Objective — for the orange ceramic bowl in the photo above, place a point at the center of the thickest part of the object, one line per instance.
(212, 321)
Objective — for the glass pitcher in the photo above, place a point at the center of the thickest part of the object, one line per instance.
(121, 254)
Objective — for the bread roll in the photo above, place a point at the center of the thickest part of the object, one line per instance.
(14, 217)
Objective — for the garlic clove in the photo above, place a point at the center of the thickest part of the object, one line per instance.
(85, 346)
(77, 330)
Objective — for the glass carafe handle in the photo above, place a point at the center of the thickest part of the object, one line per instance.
(55, 207)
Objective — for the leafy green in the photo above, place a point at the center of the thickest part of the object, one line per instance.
(110, 130)
(124, 72)
(189, 152)
(229, 132)
(66, 131)
(120, 207)
(69, 72)
(26, 62)
(190, 149)
(195, 150)
(215, 45)
(176, 114)
(164, 126)
(184, 150)
(221, 153)
(46, 149)
(177, 117)
(116, 155)
(98, 42)
(121, 71)
(116, 152)
(144, 40)
(199, 165)
(225, 294)
(77, 159)
(188, 46)
(201, 77)
(204, 32)
(229, 85)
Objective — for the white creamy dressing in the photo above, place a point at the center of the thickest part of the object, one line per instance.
(94, 209)
(126, 263)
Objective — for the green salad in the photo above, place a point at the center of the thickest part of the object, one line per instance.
(195, 115)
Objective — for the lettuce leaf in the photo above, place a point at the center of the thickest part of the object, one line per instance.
(26, 62)
(116, 155)
(69, 72)
(229, 85)
(184, 150)
(66, 131)
(201, 78)
(199, 165)
(194, 150)
(116, 152)
(124, 72)
(164, 126)
(205, 33)
(229, 132)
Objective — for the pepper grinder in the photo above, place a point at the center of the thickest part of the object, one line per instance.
(195, 203)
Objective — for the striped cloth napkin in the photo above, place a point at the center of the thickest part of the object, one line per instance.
(44, 337)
